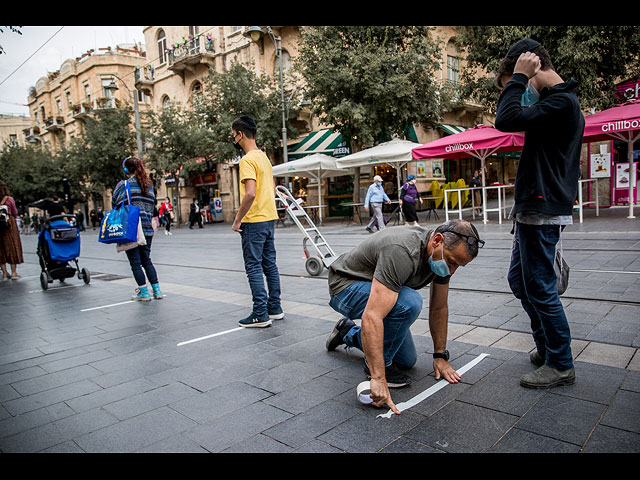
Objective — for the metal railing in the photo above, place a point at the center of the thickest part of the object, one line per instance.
(581, 203)
(502, 200)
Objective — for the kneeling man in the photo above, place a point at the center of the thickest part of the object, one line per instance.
(377, 282)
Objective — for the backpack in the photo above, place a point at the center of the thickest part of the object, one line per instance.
(4, 216)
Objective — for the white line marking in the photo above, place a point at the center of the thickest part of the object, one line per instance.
(608, 271)
(210, 336)
(106, 306)
(433, 389)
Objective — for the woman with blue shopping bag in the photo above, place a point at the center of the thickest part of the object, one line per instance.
(137, 191)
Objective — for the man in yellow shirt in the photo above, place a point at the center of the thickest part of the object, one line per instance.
(255, 221)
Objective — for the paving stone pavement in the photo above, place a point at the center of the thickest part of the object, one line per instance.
(83, 369)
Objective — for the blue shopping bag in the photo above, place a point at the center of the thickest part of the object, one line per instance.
(120, 225)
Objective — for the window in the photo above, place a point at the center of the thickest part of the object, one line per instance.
(162, 47)
(13, 140)
(59, 106)
(453, 69)
(193, 31)
(87, 93)
(68, 94)
(166, 101)
(196, 93)
(106, 92)
(235, 29)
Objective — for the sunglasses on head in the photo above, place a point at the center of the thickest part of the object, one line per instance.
(471, 239)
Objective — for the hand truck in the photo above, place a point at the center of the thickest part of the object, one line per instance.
(324, 255)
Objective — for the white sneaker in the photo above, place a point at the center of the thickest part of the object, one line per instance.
(166, 233)
(170, 233)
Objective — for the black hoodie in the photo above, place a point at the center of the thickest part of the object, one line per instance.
(549, 167)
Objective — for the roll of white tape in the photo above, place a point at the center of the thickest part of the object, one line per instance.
(363, 390)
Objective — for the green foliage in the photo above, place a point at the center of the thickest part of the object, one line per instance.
(598, 57)
(31, 173)
(179, 138)
(236, 92)
(108, 139)
(369, 81)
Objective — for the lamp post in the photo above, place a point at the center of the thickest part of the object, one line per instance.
(256, 34)
(113, 86)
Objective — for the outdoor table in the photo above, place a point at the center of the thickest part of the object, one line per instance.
(312, 211)
(355, 211)
(431, 205)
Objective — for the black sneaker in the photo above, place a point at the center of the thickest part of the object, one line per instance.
(395, 378)
(336, 337)
(252, 321)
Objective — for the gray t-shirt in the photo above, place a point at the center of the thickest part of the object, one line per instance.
(396, 257)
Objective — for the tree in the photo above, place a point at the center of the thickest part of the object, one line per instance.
(597, 56)
(107, 140)
(236, 92)
(179, 138)
(12, 29)
(31, 173)
(370, 82)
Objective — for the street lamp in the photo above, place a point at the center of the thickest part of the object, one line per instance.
(256, 34)
(113, 86)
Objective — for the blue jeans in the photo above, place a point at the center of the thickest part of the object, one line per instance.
(398, 346)
(259, 253)
(533, 281)
(139, 258)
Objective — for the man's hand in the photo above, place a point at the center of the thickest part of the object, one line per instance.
(236, 226)
(381, 395)
(443, 368)
(528, 63)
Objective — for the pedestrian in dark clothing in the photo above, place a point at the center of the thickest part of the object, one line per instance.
(476, 182)
(409, 195)
(537, 101)
(194, 214)
(80, 217)
(93, 217)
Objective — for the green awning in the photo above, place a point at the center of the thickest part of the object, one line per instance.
(325, 141)
(452, 129)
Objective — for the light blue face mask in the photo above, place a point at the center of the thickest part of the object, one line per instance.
(530, 96)
(440, 267)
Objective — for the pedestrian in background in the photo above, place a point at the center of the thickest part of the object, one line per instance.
(80, 218)
(477, 196)
(142, 196)
(537, 101)
(10, 243)
(255, 221)
(376, 196)
(409, 195)
(93, 218)
(166, 212)
(194, 214)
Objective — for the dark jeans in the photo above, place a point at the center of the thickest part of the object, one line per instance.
(140, 258)
(167, 222)
(259, 253)
(398, 343)
(533, 281)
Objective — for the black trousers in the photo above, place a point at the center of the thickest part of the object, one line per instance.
(409, 212)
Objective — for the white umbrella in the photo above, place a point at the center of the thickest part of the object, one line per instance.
(316, 166)
(396, 152)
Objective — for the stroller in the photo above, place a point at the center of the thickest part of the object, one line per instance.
(58, 244)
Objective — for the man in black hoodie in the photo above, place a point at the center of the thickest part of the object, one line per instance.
(545, 188)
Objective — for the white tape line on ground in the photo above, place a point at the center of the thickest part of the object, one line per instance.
(210, 336)
(433, 389)
(106, 306)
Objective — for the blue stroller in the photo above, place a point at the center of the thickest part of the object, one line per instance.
(58, 244)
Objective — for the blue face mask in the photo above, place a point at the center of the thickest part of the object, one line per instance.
(530, 96)
(440, 267)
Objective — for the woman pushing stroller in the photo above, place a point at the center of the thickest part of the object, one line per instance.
(142, 196)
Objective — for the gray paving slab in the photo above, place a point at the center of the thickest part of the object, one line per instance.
(84, 370)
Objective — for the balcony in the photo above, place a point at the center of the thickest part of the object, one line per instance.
(183, 56)
(81, 110)
(54, 124)
(144, 79)
(31, 134)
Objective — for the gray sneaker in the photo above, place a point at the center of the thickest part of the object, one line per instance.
(546, 377)
(336, 338)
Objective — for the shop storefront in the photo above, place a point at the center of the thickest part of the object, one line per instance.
(208, 194)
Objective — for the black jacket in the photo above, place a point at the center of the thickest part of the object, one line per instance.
(549, 167)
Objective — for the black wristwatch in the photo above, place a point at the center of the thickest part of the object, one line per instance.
(444, 355)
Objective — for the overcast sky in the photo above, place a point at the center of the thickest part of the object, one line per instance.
(70, 42)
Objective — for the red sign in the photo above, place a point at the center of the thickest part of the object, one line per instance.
(206, 179)
(628, 90)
